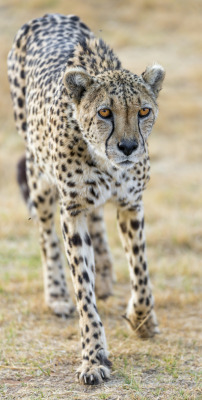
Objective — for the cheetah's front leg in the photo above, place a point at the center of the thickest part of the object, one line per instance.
(140, 313)
(95, 365)
(103, 259)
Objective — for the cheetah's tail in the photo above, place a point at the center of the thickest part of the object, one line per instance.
(22, 179)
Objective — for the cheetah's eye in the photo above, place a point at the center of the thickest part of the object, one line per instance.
(105, 113)
(144, 112)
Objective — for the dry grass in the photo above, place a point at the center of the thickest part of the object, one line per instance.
(39, 353)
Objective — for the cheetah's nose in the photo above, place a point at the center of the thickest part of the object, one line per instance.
(127, 146)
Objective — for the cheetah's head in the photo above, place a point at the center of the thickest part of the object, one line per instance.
(116, 110)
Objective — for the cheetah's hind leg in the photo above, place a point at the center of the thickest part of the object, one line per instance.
(40, 198)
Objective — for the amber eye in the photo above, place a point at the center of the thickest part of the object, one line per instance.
(144, 112)
(105, 113)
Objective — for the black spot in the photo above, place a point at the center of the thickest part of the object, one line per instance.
(147, 301)
(141, 300)
(16, 83)
(145, 280)
(55, 282)
(73, 194)
(65, 228)
(74, 18)
(123, 227)
(88, 300)
(85, 308)
(76, 240)
(64, 168)
(55, 295)
(85, 276)
(41, 199)
(20, 102)
(24, 126)
(87, 239)
(95, 308)
(135, 249)
(76, 260)
(70, 184)
(89, 201)
(22, 74)
(90, 182)
(135, 224)
(136, 270)
(75, 213)
(84, 26)
(143, 247)
(73, 269)
(87, 329)
(144, 266)
(95, 335)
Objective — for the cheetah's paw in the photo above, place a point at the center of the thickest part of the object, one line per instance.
(93, 375)
(103, 286)
(62, 308)
(146, 327)
(89, 374)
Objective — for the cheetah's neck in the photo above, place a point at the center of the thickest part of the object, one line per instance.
(94, 56)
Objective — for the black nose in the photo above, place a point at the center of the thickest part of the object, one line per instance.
(127, 146)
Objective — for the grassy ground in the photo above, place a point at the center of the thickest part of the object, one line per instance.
(39, 353)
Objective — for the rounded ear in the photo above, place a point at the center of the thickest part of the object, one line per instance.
(77, 81)
(154, 76)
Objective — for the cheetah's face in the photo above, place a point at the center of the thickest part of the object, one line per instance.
(116, 111)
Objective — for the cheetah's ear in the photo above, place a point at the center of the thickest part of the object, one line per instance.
(77, 81)
(154, 76)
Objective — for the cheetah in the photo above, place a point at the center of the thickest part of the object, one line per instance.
(85, 121)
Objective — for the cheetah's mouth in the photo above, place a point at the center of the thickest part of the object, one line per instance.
(126, 162)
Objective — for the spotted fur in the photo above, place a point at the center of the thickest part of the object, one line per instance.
(60, 77)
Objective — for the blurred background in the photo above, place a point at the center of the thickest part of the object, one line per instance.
(141, 32)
